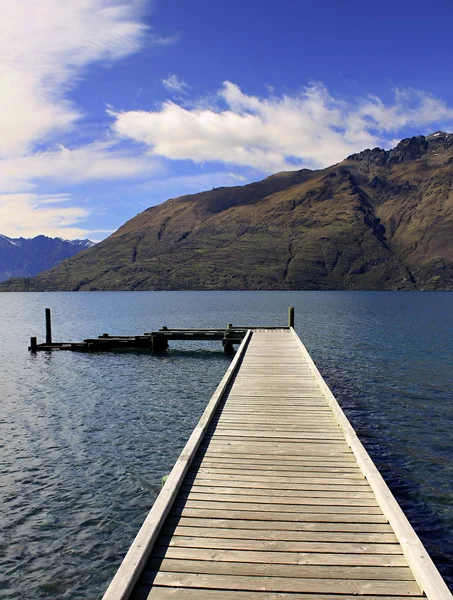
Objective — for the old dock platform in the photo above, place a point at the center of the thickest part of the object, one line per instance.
(154, 341)
(274, 497)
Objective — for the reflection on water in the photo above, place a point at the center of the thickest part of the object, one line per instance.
(86, 438)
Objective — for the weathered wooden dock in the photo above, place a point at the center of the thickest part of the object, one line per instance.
(274, 497)
(153, 341)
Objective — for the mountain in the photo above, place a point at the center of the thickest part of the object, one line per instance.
(381, 219)
(21, 257)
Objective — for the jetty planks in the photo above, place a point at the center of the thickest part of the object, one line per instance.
(274, 497)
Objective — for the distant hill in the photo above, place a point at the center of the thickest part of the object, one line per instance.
(378, 220)
(22, 257)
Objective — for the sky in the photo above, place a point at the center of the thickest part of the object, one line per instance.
(108, 107)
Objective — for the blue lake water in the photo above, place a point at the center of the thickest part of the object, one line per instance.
(86, 438)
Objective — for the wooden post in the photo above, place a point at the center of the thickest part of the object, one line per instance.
(291, 316)
(229, 326)
(48, 327)
(228, 346)
(33, 344)
(158, 344)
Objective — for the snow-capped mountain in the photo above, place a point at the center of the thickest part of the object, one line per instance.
(22, 257)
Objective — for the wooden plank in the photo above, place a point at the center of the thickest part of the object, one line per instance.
(279, 480)
(137, 555)
(276, 465)
(286, 584)
(275, 570)
(277, 392)
(269, 507)
(257, 515)
(281, 421)
(358, 537)
(270, 469)
(268, 434)
(265, 447)
(270, 439)
(279, 408)
(280, 473)
(250, 385)
(312, 416)
(280, 376)
(254, 385)
(277, 427)
(261, 402)
(293, 526)
(319, 411)
(235, 452)
(266, 450)
(284, 546)
(158, 592)
(256, 409)
(276, 485)
(270, 557)
(346, 459)
(278, 493)
(246, 465)
(281, 500)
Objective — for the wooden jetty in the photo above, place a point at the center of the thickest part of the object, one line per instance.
(274, 497)
(154, 341)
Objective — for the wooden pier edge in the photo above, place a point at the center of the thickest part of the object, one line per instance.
(135, 560)
(423, 568)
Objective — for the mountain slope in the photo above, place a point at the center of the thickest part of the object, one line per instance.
(378, 220)
(22, 257)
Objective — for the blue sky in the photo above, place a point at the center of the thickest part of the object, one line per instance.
(111, 106)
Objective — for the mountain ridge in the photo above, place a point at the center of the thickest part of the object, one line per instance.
(380, 219)
(27, 257)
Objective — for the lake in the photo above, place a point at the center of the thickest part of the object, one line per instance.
(86, 438)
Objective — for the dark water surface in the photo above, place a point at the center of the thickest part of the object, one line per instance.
(86, 438)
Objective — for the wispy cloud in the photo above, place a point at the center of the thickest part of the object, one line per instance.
(28, 215)
(45, 48)
(93, 162)
(175, 85)
(313, 128)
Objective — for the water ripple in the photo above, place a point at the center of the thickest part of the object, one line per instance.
(86, 438)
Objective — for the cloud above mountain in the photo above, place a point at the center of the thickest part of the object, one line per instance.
(313, 128)
(46, 47)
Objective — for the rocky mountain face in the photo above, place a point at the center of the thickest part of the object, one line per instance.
(378, 220)
(21, 257)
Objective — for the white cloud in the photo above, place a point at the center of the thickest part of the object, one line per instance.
(28, 215)
(312, 128)
(45, 48)
(174, 84)
(23, 212)
(96, 161)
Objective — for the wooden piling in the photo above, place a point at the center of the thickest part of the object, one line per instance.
(48, 327)
(291, 316)
(158, 344)
(33, 344)
(228, 347)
